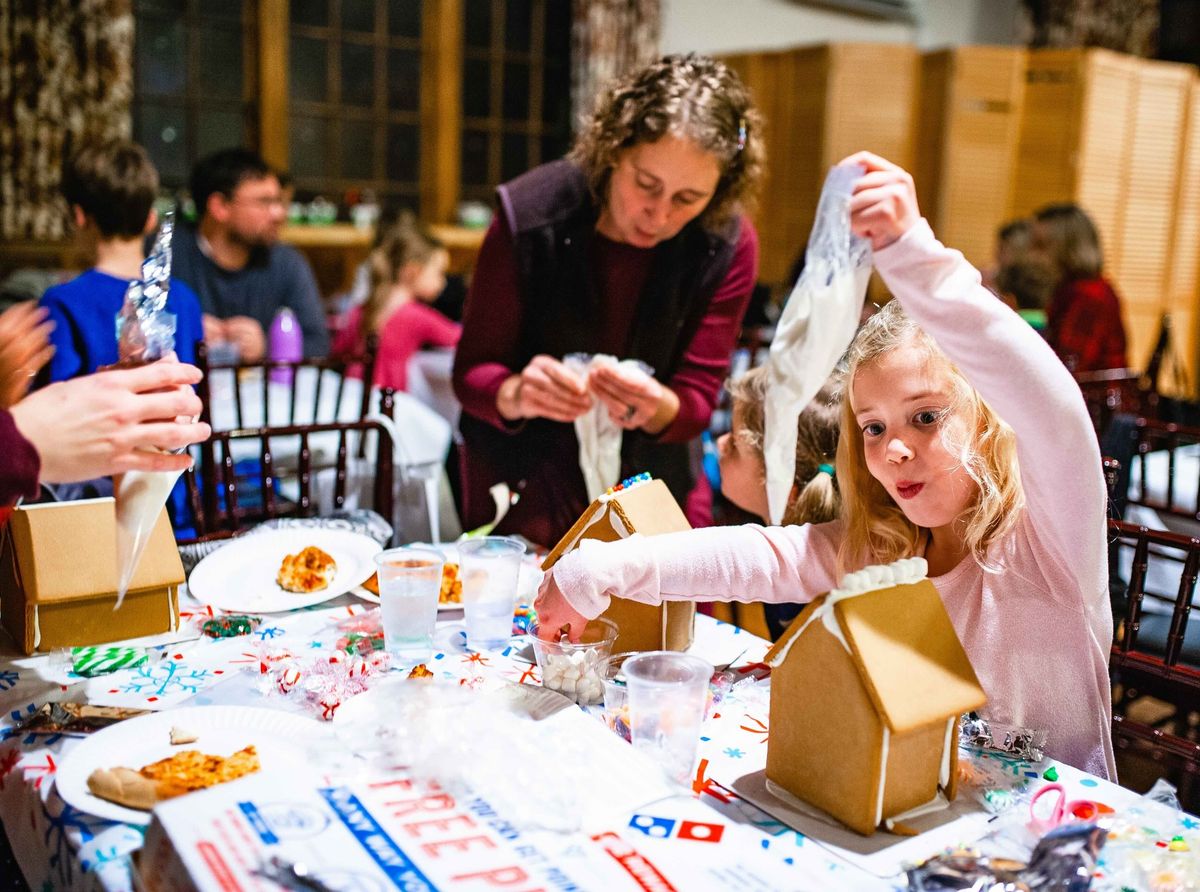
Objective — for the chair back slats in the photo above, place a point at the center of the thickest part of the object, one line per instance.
(1177, 447)
(267, 476)
(1136, 591)
(233, 515)
(339, 489)
(229, 483)
(305, 474)
(1183, 606)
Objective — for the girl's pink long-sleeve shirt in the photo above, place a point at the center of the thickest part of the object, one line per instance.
(1038, 625)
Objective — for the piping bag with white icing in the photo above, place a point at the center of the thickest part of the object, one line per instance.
(145, 333)
(598, 435)
(816, 326)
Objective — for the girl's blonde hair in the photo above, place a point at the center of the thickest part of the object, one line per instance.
(690, 96)
(405, 241)
(816, 443)
(876, 530)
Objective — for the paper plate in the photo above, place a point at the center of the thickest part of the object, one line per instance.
(241, 576)
(279, 737)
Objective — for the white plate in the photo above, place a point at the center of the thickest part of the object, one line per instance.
(241, 576)
(449, 552)
(279, 737)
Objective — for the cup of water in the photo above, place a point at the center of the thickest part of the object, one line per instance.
(409, 582)
(667, 692)
(491, 566)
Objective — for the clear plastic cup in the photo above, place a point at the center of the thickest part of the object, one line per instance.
(409, 582)
(616, 694)
(667, 692)
(491, 566)
(574, 670)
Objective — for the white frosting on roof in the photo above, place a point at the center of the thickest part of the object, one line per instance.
(905, 571)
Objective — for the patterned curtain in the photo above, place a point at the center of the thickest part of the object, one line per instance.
(65, 76)
(1128, 26)
(608, 39)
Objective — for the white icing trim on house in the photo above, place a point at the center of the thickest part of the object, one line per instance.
(37, 628)
(596, 510)
(944, 774)
(878, 576)
(882, 773)
(937, 803)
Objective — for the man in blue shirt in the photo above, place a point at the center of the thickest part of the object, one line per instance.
(233, 259)
(110, 189)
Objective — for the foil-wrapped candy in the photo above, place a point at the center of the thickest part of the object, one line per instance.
(1023, 743)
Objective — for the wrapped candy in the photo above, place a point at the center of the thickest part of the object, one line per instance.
(325, 682)
(92, 661)
(231, 625)
(1023, 743)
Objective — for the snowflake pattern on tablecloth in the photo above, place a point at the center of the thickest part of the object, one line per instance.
(269, 632)
(167, 677)
(57, 840)
(9, 679)
(733, 752)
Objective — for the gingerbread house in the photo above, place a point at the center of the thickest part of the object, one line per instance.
(638, 505)
(867, 686)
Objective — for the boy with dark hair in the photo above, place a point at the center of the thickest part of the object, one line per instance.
(233, 259)
(110, 189)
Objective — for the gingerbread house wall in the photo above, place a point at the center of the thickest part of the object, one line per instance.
(825, 741)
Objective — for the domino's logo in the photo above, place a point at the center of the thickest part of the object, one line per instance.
(667, 828)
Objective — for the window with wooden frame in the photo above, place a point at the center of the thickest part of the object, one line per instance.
(195, 80)
(354, 90)
(516, 89)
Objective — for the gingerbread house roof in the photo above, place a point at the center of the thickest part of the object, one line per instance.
(897, 634)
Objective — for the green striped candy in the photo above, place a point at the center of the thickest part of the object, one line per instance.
(92, 661)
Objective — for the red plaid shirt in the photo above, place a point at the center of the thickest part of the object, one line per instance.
(1084, 326)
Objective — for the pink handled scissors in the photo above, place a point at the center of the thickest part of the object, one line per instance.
(1062, 811)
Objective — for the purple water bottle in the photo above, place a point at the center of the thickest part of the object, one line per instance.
(285, 343)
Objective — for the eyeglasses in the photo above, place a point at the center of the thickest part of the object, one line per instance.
(262, 201)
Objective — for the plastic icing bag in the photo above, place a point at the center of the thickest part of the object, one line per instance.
(145, 333)
(816, 326)
(598, 435)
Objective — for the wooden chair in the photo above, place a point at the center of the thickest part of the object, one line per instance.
(216, 517)
(289, 373)
(1115, 391)
(1155, 653)
(1156, 442)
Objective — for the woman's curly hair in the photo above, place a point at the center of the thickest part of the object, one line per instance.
(693, 97)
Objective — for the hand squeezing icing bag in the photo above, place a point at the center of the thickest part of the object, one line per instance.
(145, 333)
(815, 328)
(599, 436)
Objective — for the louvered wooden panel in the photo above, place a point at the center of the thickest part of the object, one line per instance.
(1105, 143)
(1050, 124)
(970, 100)
(1183, 265)
(1141, 332)
(1149, 200)
(871, 101)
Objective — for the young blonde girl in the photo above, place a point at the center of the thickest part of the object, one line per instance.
(1011, 519)
(407, 273)
(814, 496)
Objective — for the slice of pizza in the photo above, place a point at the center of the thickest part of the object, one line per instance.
(309, 571)
(173, 776)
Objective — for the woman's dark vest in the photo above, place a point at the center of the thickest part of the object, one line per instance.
(552, 218)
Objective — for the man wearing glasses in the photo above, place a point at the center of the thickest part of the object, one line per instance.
(232, 258)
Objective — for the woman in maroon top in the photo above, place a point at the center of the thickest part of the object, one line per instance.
(636, 245)
(1084, 321)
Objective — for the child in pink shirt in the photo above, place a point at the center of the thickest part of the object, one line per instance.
(408, 272)
(1011, 519)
